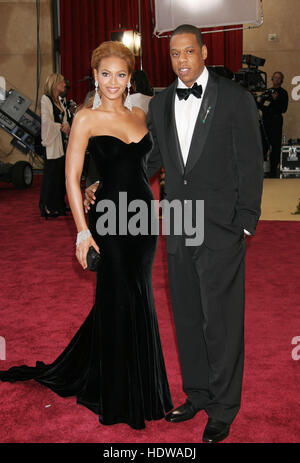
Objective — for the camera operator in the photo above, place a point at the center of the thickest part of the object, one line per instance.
(274, 103)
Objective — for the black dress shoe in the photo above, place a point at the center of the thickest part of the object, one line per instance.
(48, 215)
(215, 431)
(182, 413)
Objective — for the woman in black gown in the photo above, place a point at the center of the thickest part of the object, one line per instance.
(114, 364)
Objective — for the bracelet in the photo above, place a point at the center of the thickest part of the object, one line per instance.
(83, 235)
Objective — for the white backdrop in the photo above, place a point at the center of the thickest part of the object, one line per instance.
(204, 13)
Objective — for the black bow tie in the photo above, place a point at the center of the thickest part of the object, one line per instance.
(184, 93)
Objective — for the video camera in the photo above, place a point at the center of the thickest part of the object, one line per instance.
(267, 95)
(251, 77)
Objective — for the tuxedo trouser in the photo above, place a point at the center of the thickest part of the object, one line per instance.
(207, 295)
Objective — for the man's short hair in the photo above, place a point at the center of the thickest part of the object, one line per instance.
(189, 29)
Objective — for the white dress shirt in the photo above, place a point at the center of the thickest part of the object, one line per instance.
(186, 113)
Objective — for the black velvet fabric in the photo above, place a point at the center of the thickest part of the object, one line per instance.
(114, 364)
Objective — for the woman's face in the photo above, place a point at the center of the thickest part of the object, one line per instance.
(112, 77)
(60, 86)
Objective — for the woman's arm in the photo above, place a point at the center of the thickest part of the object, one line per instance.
(78, 140)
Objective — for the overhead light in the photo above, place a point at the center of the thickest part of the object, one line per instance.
(130, 38)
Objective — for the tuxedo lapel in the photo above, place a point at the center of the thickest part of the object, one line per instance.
(203, 123)
(171, 130)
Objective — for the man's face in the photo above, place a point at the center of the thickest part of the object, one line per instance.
(187, 57)
(276, 79)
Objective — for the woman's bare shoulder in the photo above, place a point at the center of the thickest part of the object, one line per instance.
(83, 114)
(83, 122)
(85, 117)
(139, 112)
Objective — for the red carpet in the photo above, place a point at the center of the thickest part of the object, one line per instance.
(45, 296)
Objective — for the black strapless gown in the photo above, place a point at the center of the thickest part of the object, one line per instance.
(114, 364)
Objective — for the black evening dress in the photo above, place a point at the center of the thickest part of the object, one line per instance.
(114, 364)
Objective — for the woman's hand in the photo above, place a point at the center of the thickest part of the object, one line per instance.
(90, 197)
(65, 127)
(82, 250)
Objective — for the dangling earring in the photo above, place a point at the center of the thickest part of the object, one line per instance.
(97, 99)
(128, 103)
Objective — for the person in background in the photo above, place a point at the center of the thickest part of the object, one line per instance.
(69, 105)
(54, 132)
(141, 98)
(273, 104)
(143, 90)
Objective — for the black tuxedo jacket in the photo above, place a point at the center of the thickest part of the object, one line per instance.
(225, 162)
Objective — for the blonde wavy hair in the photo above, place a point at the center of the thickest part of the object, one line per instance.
(105, 50)
(51, 82)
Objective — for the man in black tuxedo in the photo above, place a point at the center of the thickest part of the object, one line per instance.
(206, 136)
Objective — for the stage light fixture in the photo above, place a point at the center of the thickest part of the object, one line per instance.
(130, 38)
(196, 6)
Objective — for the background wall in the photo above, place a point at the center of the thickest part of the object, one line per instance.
(18, 61)
(18, 52)
(281, 17)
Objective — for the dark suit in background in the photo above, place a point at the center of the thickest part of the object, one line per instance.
(273, 121)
